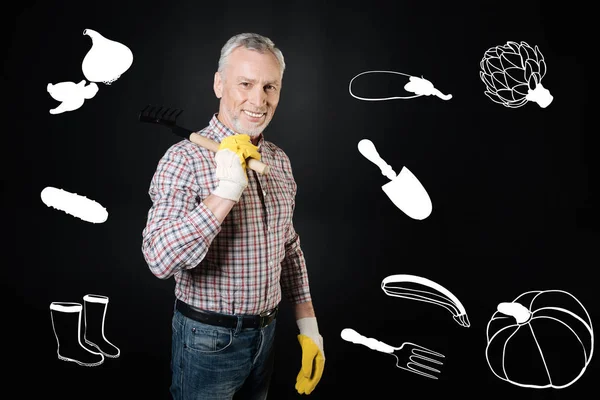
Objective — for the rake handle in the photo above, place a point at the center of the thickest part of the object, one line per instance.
(350, 335)
(167, 116)
(213, 146)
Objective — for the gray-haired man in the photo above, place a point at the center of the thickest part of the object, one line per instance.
(226, 235)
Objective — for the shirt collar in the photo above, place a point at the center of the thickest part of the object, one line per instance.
(221, 131)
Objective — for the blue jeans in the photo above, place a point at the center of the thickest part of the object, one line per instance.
(215, 363)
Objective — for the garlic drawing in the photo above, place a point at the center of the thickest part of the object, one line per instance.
(107, 60)
(71, 95)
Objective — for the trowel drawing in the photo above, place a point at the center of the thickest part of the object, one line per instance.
(404, 190)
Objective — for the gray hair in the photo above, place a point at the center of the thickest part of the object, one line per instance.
(251, 41)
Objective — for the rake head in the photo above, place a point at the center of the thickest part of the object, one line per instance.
(160, 115)
(165, 116)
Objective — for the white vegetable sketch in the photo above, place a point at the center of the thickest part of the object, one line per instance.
(71, 94)
(547, 329)
(74, 204)
(107, 60)
(404, 190)
(513, 75)
(429, 292)
(409, 356)
(66, 324)
(419, 86)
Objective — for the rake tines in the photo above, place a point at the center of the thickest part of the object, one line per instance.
(162, 115)
(165, 116)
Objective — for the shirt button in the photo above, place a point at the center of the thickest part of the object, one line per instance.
(264, 193)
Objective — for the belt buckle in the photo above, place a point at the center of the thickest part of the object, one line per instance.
(264, 315)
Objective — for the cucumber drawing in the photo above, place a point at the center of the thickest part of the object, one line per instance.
(76, 205)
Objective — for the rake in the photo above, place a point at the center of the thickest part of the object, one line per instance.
(167, 116)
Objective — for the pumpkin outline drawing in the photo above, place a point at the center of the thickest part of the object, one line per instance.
(515, 310)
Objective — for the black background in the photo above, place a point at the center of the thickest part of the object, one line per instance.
(514, 191)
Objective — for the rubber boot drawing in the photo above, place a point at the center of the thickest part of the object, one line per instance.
(66, 323)
(95, 307)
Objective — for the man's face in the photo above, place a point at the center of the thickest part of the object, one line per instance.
(249, 88)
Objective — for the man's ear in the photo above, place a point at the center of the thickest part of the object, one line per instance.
(218, 85)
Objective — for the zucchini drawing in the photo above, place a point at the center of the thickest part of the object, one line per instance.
(393, 285)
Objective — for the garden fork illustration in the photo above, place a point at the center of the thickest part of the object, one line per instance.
(408, 356)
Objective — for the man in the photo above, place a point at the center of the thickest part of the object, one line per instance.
(225, 233)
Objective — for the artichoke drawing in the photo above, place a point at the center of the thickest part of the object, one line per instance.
(513, 75)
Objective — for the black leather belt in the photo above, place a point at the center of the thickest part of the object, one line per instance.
(225, 320)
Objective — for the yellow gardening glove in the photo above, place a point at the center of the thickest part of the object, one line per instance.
(242, 146)
(313, 356)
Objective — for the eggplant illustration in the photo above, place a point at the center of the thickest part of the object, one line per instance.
(418, 86)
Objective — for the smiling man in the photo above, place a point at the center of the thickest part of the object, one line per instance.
(225, 234)
(243, 108)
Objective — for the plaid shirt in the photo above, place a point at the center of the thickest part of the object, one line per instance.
(241, 266)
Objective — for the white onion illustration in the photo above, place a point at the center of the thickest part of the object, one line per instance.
(107, 60)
